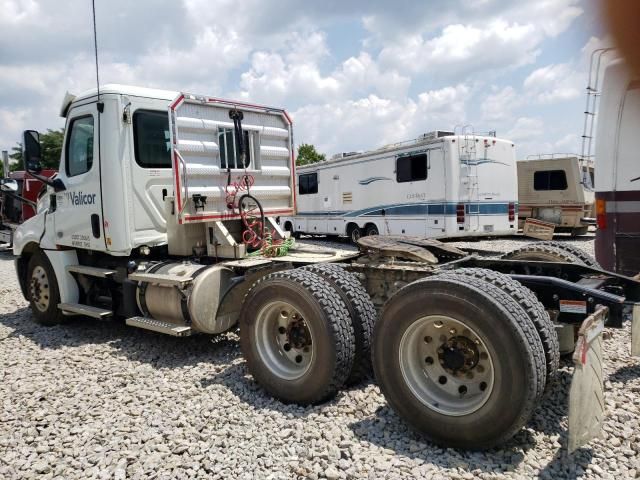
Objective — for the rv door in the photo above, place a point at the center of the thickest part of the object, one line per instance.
(436, 193)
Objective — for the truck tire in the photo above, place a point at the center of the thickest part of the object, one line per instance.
(297, 337)
(43, 291)
(583, 256)
(459, 360)
(543, 253)
(535, 310)
(361, 311)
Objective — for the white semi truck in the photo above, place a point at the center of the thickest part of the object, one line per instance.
(163, 216)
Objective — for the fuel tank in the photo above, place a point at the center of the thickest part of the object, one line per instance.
(196, 303)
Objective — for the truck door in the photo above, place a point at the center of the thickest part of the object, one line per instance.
(78, 211)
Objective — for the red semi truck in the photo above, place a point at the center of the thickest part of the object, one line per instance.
(18, 200)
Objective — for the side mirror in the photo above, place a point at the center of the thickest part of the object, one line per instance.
(31, 152)
(8, 185)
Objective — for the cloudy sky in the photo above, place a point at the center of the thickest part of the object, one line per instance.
(354, 74)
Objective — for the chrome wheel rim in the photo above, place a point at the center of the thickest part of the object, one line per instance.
(284, 340)
(39, 289)
(446, 365)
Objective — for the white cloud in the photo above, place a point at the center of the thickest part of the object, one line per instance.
(525, 129)
(555, 83)
(373, 121)
(462, 49)
(499, 106)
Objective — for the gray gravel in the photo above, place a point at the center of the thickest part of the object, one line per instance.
(94, 399)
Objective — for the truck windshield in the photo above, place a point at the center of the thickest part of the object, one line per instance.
(151, 139)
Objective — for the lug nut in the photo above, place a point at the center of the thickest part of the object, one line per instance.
(462, 389)
(427, 339)
(282, 330)
(442, 379)
(429, 360)
(286, 347)
(298, 358)
(452, 331)
(483, 386)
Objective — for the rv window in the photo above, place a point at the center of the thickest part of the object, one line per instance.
(308, 183)
(550, 180)
(229, 154)
(79, 148)
(411, 168)
(151, 139)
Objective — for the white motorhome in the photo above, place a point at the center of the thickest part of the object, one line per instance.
(439, 185)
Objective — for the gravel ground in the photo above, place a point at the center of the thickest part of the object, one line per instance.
(94, 399)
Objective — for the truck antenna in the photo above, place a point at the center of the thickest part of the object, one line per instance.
(95, 46)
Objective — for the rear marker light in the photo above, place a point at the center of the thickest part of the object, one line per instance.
(460, 213)
(512, 211)
(601, 213)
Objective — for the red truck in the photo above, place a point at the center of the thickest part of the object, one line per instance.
(18, 198)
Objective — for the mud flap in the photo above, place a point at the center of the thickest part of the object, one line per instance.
(586, 398)
(635, 331)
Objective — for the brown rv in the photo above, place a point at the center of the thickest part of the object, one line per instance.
(558, 190)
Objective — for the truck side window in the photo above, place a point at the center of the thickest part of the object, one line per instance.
(79, 148)
(308, 183)
(411, 168)
(151, 139)
(229, 154)
(550, 180)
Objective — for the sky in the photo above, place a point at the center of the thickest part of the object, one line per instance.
(354, 74)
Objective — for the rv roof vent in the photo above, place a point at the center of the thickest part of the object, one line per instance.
(435, 134)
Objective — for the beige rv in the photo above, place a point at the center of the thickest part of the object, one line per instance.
(558, 190)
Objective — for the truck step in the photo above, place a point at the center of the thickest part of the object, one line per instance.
(91, 271)
(161, 279)
(87, 310)
(159, 326)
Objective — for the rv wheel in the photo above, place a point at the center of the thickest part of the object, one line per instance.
(459, 360)
(42, 289)
(297, 337)
(371, 230)
(354, 233)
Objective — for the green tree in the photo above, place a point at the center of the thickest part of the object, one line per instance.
(51, 144)
(307, 155)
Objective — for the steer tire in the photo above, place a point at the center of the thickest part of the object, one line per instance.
(332, 349)
(583, 256)
(493, 320)
(536, 311)
(541, 252)
(42, 291)
(361, 311)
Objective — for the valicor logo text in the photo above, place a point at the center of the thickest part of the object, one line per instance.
(80, 198)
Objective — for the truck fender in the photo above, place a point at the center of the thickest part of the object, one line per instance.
(67, 285)
(33, 231)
